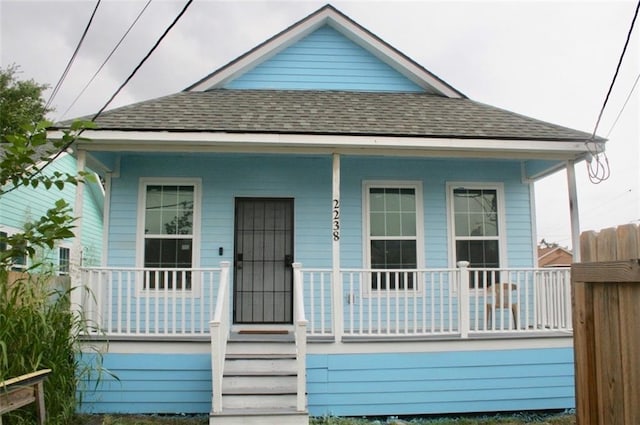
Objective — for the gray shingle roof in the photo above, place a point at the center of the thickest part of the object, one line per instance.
(330, 112)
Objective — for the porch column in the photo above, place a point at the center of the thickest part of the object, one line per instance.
(573, 210)
(338, 321)
(75, 260)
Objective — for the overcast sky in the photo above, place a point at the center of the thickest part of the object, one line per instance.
(551, 60)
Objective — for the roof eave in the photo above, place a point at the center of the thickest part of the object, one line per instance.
(189, 141)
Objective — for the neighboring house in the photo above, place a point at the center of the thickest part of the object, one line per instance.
(554, 256)
(343, 216)
(26, 204)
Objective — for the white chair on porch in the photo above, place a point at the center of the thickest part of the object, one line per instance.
(499, 297)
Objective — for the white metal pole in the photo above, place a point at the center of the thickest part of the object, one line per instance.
(573, 210)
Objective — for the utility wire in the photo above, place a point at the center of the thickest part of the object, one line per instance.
(184, 9)
(67, 145)
(635, 83)
(73, 57)
(106, 60)
(598, 170)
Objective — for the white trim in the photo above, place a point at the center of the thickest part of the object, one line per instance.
(574, 211)
(351, 30)
(106, 218)
(68, 245)
(391, 346)
(167, 141)
(534, 225)
(140, 224)
(502, 228)
(416, 185)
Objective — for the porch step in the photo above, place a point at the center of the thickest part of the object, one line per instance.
(259, 383)
(259, 417)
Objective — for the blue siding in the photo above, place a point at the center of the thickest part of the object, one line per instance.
(354, 384)
(324, 60)
(437, 383)
(308, 181)
(150, 383)
(27, 204)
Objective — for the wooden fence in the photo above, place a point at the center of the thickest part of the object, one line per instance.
(606, 299)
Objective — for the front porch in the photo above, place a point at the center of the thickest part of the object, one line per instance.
(415, 304)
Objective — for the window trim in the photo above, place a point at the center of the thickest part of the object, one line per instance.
(59, 271)
(195, 241)
(416, 185)
(501, 211)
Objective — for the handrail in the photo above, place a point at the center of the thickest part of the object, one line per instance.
(300, 337)
(219, 335)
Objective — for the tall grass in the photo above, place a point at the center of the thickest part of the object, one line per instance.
(39, 331)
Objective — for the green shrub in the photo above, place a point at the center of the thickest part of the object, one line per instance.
(39, 331)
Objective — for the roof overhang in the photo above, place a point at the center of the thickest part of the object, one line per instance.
(188, 142)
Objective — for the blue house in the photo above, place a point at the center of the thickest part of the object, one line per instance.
(26, 204)
(324, 227)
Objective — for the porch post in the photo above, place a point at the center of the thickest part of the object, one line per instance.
(338, 319)
(573, 210)
(463, 300)
(75, 260)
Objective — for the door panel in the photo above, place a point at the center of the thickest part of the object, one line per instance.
(263, 277)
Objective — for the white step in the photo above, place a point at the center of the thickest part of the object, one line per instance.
(264, 348)
(262, 401)
(259, 384)
(259, 366)
(259, 417)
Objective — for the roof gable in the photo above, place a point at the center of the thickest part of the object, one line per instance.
(349, 29)
(324, 60)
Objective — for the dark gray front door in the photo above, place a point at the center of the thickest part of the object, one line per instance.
(263, 277)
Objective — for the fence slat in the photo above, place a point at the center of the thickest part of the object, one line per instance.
(606, 296)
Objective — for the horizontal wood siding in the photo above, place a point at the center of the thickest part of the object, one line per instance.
(324, 60)
(434, 174)
(352, 384)
(224, 177)
(28, 204)
(438, 383)
(150, 383)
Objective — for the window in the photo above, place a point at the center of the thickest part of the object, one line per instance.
(63, 260)
(18, 262)
(477, 230)
(168, 217)
(392, 234)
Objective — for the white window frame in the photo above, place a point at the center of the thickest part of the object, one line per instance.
(501, 211)
(10, 231)
(195, 241)
(416, 185)
(59, 269)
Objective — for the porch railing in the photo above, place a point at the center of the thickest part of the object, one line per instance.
(149, 302)
(439, 302)
(448, 303)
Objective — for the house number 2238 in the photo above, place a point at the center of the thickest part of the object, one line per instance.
(336, 220)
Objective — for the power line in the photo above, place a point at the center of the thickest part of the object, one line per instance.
(184, 9)
(67, 145)
(615, 75)
(73, 57)
(598, 170)
(106, 60)
(624, 105)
